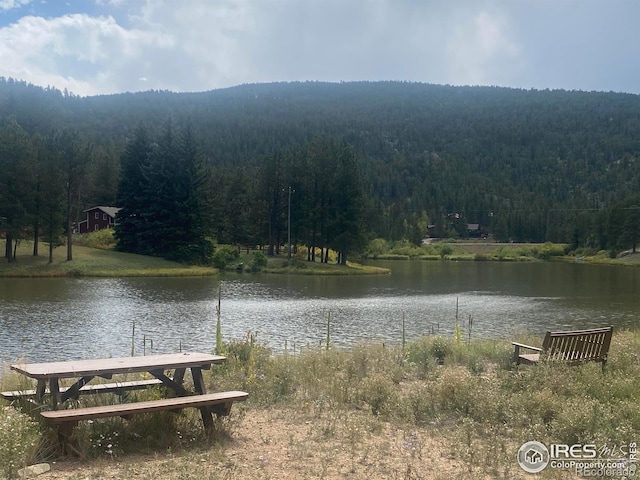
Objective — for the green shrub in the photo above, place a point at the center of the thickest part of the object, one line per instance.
(377, 247)
(258, 262)
(444, 250)
(19, 437)
(549, 250)
(405, 247)
(419, 353)
(224, 255)
(440, 348)
(103, 239)
(379, 392)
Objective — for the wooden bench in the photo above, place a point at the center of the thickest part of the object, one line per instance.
(119, 388)
(573, 347)
(219, 403)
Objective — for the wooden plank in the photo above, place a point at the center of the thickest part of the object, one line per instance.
(197, 401)
(116, 387)
(110, 366)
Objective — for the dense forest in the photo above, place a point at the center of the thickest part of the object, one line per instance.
(344, 162)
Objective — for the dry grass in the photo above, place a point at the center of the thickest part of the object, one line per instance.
(282, 444)
(372, 412)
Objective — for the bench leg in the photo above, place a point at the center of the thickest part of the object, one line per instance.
(220, 410)
(223, 409)
(65, 438)
(198, 383)
(207, 418)
(516, 355)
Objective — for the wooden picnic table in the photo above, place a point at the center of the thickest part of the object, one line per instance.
(86, 370)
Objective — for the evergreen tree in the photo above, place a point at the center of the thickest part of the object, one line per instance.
(271, 187)
(346, 228)
(16, 184)
(132, 190)
(51, 211)
(165, 208)
(191, 241)
(631, 227)
(75, 155)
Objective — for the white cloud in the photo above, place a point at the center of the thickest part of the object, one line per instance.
(481, 51)
(85, 54)
(195, 45)
(11, 4)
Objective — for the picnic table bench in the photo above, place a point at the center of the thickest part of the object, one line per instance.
(218, 403)
(574, 346)
(119, 388)
(86, 370)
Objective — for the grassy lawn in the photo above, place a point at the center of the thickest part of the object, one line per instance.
(101, 262)
(89, 261)
(302, 267)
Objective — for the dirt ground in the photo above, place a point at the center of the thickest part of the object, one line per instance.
(273, 444)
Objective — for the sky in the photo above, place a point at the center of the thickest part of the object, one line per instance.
(93, 47)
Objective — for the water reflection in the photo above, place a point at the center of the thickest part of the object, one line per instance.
(46, 319)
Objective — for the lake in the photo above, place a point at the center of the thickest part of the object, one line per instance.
(66, 318)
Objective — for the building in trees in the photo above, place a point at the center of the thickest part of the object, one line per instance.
(98, 218)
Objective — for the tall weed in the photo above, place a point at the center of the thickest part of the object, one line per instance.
(19, 438)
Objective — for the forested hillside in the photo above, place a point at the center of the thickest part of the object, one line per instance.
(526, 165)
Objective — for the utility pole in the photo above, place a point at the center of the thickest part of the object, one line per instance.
(289, 225)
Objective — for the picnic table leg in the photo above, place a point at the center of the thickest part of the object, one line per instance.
(40, 389)
(74, 390)
(198, 383)
(176, 387)
(65, 438)
(56, 398)
(178, 375)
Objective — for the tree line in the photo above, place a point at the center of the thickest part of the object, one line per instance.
(173, 205)
(527, 165)
(41, 186)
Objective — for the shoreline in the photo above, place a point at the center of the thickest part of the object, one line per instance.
(105, 263)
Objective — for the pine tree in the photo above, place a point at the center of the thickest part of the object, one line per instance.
(191, 240)
(51, 210)
(132, 188)
(347, 232)
(163, 197)
(16, 187)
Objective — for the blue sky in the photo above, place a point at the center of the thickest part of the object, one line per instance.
(109, 46)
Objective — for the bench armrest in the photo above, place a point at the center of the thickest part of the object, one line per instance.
(522, 345)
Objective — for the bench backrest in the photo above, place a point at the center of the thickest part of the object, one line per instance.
(578, 345)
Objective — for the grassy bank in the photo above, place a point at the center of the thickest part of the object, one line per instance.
(301, 267)
(481, 250)
(458, 250)
(370, 412)
(94, 262)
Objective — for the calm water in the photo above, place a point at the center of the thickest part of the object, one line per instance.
(56, 319)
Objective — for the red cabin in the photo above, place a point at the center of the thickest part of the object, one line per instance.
(98, 218)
